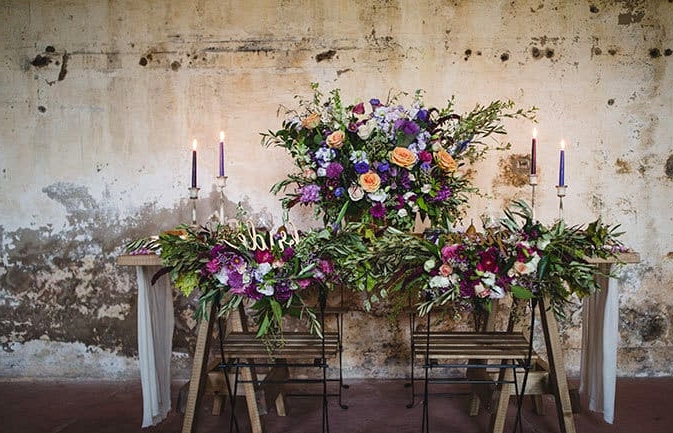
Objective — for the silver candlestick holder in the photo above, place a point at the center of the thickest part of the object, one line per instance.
(221, 184)
(532, 181)
(193, 196)
(560, 193)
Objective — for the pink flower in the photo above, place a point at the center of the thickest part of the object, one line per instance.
(263, 256)
(359, 108)
(445, 270)
(213, 266)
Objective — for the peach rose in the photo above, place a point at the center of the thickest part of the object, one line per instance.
(445, 270)
(311, 121)
(445, 161)
(336, 139)
(403, 157)
(370, 181)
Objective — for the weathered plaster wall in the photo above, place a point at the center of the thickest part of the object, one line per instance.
(100, 101)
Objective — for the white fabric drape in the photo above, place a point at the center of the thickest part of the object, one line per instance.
(155, 336)
(600, 337)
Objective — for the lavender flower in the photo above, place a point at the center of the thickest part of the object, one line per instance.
(310, 193)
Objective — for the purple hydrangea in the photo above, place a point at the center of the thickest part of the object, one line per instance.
(309, 193)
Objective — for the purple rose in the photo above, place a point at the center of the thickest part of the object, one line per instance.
(407, 126)
(334, 170)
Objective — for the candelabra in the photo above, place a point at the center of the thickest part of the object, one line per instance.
(532, 181)
(193, 196)
(560, 192)
(221, 183)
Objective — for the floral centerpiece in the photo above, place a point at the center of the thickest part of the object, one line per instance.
(382, 162)
(520, 257)
(230, 265)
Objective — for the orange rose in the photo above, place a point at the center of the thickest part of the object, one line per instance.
(311, 121)
(445, 161)
(336, 139)
(370, 181)
(403, 157)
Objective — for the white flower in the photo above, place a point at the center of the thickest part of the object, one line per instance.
(262, 270)
(426, 188)
(402, 213)
(497, 292)
(379, 195)
(543, 242)
(266, 289)
(429, 265)
(222, 276)
(322, 172)
(365, 130)
(408, 195)
(439, 281)
(355, 193)
(488, 278)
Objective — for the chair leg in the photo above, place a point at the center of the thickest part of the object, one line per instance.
(502, 396)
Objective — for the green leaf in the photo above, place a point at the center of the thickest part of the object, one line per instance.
(522, 292)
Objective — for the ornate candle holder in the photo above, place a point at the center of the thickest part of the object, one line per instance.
(193, 195)
(532, 181)
(560, 193)
(221, 183)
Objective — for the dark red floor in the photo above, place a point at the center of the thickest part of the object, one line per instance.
(643, 406)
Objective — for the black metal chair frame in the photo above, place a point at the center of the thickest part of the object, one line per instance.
(520, 364)
(236, 363)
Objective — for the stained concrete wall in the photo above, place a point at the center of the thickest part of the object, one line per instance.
(101, 99)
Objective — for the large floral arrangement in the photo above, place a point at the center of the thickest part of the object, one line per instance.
(232, 264)
(520, 257)
(382, 162)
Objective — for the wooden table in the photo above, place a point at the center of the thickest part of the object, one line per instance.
(200, 364)
(593, 327)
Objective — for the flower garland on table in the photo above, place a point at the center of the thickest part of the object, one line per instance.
(388, 163)
(229, 265)
(521, 258)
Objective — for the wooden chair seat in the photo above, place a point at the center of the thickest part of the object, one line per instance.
(296, 346)
(470, 345)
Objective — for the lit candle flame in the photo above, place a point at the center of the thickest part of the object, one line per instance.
(221, 135)
(563, 145)
(534, 132)
(194, 144)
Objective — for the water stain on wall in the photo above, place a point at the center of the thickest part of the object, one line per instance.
(63, 285)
